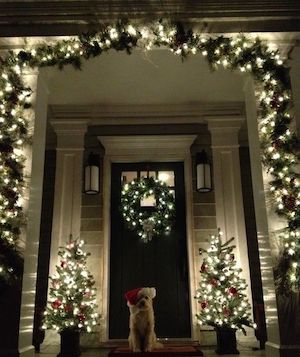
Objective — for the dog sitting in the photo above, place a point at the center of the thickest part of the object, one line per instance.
(141, 323)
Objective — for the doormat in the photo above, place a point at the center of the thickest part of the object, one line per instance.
(161, 352)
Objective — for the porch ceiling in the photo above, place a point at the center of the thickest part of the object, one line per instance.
(155, 78)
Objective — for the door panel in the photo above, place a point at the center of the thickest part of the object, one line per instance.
(161, 263)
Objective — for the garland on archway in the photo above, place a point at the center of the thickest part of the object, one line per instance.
(155, 221)
(237, 53)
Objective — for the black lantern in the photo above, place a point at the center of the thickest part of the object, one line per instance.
(203, 170)
(91, 175)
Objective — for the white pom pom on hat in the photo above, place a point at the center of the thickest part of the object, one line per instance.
(134, 295)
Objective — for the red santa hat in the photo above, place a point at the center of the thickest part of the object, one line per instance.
(134, 295)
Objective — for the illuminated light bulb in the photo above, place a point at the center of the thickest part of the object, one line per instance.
(294, 265)
(113, 33)
(225, 63)
(291, 251)
(204, 53)
(264, 129)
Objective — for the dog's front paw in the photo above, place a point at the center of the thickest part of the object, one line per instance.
(136, 350)
(148, 348)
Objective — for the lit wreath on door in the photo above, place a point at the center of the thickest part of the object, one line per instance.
(148, 221)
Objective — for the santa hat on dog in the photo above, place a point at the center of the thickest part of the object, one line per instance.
(134, 295)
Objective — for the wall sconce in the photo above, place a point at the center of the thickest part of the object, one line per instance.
(203, 169)
(91, 175)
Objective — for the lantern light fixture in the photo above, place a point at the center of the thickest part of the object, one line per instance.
(203, 171)
(91, 175)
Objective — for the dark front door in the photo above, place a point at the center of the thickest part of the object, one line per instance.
(161, 263)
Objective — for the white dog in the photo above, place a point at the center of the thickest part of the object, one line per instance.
(142, 336)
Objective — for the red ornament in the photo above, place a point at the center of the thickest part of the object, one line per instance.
(289, 202)
(214, 282)
(87, 294)
(204, 304)
(63, 264)
(56, 304)
(232, 291)
(203, 268)
(81, 317)
(226, 312)
(277, 144)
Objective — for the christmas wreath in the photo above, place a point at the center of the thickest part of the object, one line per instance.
(148, 221)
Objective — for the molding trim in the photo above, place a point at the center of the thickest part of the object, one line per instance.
(25, 18)
(147, 147)
(145, 114)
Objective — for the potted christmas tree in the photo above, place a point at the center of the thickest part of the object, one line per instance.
(221, 295)
(71, 307)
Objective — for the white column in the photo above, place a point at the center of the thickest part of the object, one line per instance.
(35, 171)
(228, 188)
(266, 224)
(68, 183)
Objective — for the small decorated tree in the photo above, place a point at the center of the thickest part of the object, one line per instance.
(221, 294)
(72, 305)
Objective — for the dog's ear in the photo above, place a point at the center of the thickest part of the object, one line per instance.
(151, 292)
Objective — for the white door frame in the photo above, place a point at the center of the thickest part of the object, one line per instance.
(139, 148)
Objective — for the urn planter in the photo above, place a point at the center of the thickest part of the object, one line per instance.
(226, 341)
(69, 343)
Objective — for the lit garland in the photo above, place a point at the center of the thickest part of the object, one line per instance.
(147, 223)
(237, 53)
(221, 289)
(72, 296)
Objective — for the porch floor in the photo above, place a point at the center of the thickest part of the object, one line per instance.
(52, 351)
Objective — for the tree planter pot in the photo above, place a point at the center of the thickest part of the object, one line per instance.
(69, 343)
(226, 341)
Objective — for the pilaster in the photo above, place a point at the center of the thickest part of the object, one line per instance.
(228, 187)
(68, 183)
